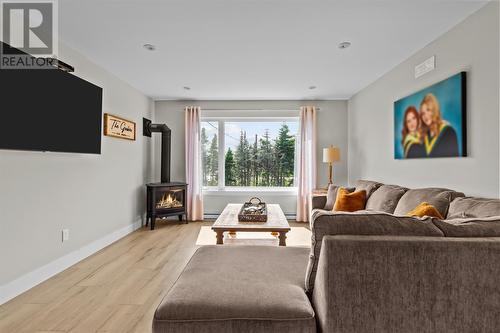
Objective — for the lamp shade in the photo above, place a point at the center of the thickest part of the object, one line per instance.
(331, 154)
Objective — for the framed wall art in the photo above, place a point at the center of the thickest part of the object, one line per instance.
(432, 122)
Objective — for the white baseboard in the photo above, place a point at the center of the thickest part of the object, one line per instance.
(31, 279)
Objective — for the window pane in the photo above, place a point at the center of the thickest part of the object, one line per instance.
(260, 153)
(210, 152)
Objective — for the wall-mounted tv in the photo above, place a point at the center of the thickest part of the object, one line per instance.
(49, 110)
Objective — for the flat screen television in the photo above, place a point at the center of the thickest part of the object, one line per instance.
(49, 110)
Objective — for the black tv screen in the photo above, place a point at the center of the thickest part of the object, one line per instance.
(49, 110)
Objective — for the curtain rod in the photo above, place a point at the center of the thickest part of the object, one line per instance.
(234, 109)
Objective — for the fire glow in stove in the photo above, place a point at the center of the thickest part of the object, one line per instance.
(165, 199)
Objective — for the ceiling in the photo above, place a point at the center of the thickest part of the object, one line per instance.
(254, 49)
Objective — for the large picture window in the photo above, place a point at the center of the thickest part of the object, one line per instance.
(248, 152)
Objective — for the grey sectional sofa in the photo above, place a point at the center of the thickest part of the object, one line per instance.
(375, 270)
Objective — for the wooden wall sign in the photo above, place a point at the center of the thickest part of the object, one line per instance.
(118, 127)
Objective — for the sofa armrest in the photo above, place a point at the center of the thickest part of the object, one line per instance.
(318, 201)
(408, 284)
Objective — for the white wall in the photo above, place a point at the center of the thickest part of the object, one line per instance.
(332, 129)
(471, 46)
(92, 195)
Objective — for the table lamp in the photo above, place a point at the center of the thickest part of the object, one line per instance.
(330, 156)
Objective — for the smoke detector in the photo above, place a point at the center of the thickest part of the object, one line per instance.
(344, 45)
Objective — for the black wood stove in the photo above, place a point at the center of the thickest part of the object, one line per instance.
(165, 198)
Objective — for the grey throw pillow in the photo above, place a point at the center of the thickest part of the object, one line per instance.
(385, 198)
(368, 185)
(473, 207)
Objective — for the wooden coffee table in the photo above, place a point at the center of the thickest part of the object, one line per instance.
(228, 221)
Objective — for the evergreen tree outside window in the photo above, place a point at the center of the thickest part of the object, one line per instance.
(229, 168)
(209, 153)
(257, 153)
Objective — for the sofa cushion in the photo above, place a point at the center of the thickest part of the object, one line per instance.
(331, 195)
(239, 289)
(438, 197)
(368, 185)
(473, 207)
(364, 222)
(385, 198)
(470, 227)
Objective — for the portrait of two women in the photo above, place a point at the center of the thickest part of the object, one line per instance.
(431, 122)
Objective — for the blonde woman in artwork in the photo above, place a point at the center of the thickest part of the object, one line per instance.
(412, 141)
(440, 139)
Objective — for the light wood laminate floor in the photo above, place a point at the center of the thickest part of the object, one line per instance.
(115, 290)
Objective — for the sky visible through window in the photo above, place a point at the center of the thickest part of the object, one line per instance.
(233, 130)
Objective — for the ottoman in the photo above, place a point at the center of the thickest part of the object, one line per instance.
(239, 289)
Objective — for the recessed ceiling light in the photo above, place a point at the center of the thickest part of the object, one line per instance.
(312, 87)
(149, 47)
(344, 45)
(186, 88)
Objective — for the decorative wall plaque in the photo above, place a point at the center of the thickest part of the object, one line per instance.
(119, 127)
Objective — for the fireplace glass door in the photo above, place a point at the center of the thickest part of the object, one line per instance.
(172, 198)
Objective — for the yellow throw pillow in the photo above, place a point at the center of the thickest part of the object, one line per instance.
(349, 201)
(425, 209)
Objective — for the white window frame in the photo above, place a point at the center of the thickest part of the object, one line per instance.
(222, 188)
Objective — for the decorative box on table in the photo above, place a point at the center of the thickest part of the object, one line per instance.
(253, 211)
